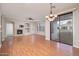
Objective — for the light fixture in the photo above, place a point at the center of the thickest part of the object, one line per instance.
(52, 16)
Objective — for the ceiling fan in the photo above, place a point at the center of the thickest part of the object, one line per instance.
(30, 18)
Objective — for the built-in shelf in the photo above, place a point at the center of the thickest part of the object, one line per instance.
(27, 27)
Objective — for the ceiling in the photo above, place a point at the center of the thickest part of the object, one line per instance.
(37, 11)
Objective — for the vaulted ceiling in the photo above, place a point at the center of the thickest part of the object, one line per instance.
(37, 11)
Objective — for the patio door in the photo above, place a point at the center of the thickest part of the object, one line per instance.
(66, 29)
(62, 29)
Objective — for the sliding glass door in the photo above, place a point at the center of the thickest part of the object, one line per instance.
(54, 25)
(65, 28)
(62, 29)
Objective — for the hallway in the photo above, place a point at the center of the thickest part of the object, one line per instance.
(35, 45)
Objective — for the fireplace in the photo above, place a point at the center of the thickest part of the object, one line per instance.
(19, 31)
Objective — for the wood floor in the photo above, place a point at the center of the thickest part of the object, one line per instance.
(35, 45)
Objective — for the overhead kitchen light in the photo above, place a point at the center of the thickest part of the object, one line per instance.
(51, 16)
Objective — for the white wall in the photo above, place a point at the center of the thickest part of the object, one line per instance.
(17, 23)
(16, 26)
(3, 28)
(47, 30)
(76, 28)
(0, 28)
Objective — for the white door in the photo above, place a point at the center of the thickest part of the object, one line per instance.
(9, 29)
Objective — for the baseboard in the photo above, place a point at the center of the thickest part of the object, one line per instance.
(47, 39)
(76, 46)
(19, 35)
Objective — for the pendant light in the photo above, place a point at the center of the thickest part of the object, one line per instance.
(52, 16)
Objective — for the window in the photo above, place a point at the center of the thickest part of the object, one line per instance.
(41, 26)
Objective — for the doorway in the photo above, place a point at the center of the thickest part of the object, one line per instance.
(62, 29)
(9, 29)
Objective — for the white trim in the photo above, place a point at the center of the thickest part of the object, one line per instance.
(18, 35)
(47, 39)
(40, 33)
(3, 39)
(76, 46)
(66, 11)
